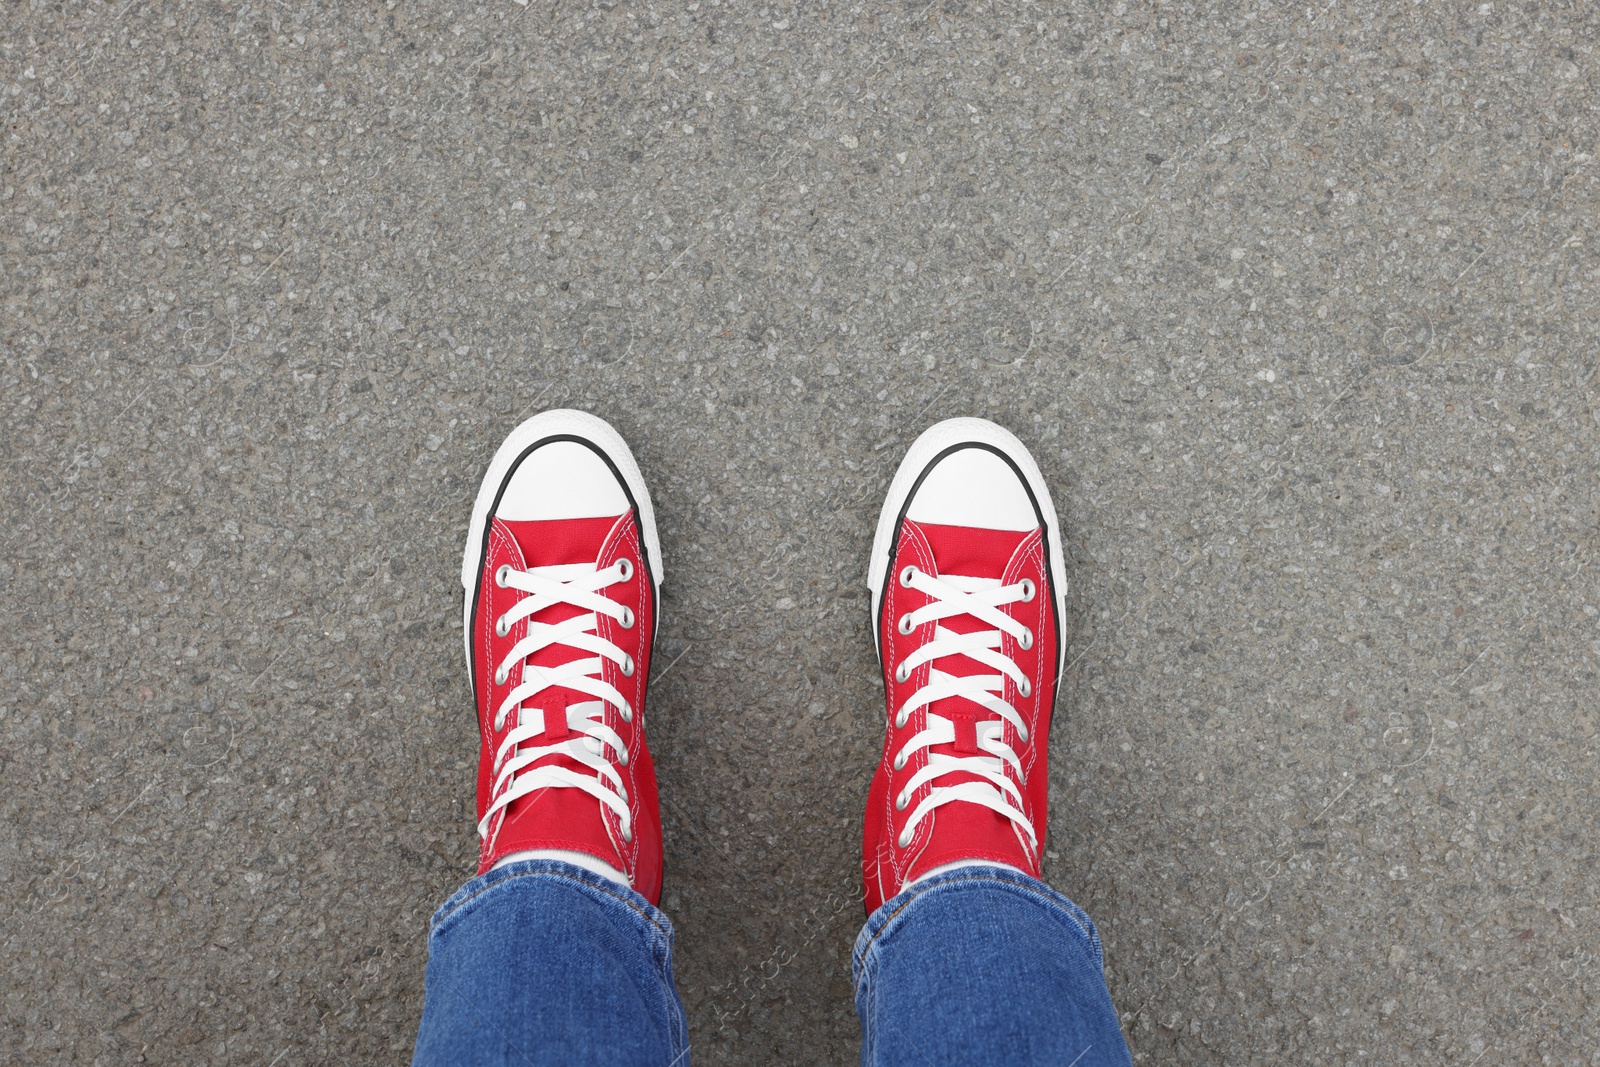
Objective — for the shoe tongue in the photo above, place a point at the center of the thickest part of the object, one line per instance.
(553, 542)
(971, 550)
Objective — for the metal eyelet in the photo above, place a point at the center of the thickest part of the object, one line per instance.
(900, 762)
(900, 721)
(1022, 734)
(1025, 642)
(626, 566)
(627, 835)
(500, 677)
(622, 757)
(501, 575)
(902, 672)
(501, 626)
(627, 667)
(901, 801)
(904, 840)
(905, 626)
(627, 618)
(627, 714)
(1027, 590)
(1025, 688)
(906, 575)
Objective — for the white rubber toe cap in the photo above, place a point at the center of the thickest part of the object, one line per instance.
(568, 465)
(973, 487)
(562, 480)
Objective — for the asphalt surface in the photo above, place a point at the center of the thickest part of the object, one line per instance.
(1295, 306)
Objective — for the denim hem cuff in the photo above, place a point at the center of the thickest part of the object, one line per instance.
(977, 874)
(550, 868)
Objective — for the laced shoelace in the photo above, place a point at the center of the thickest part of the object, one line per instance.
(982, 599)
(586, 739)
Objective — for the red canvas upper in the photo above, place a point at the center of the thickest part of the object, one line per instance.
(960, 831)
(566, 818)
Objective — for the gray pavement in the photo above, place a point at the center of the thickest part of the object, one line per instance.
(1295, 305)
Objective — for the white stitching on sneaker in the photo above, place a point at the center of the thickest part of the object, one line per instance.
(981, 598)
(515, 775)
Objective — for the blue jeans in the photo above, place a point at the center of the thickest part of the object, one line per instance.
(543, 963)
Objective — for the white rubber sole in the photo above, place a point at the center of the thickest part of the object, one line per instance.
(934, 441)
(562, 422)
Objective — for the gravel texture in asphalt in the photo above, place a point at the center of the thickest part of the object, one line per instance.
(1296, 307)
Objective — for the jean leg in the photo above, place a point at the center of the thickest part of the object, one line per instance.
(984, 965)
(542, 962)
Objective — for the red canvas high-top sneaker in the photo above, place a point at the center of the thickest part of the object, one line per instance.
(968, 594)
(561, 574)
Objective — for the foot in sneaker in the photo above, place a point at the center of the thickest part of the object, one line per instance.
(968, 593)
(561, 573)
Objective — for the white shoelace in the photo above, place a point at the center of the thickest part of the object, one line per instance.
(595, 745)
(981, 598)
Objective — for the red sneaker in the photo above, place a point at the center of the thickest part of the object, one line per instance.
(968, 593)
(561, 574)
